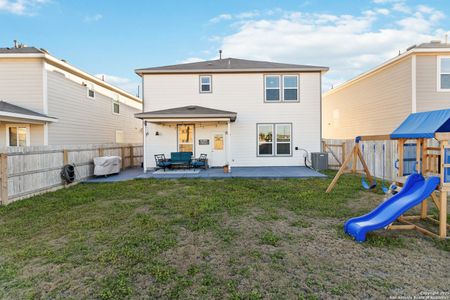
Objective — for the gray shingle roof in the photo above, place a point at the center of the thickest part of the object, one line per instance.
(430, 45)
(6, 107)
(230, 65)
(187, 112)
(23, 50)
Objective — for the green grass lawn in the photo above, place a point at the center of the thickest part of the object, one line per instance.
(193, 238)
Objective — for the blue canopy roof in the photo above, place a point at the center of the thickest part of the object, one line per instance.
(423, 125)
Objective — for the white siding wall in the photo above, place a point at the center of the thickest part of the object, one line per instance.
(166, 141)
(244, 94)
(83, 120)
(21, 83)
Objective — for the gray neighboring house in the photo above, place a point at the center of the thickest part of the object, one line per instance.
(47, 101)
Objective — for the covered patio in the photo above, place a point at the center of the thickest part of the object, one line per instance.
(214, 173)
(196, 129)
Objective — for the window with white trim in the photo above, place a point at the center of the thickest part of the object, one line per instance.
(272, 86)
(17, 135)
(281, 88)
(265, 139)
(90, 90)
(290, 87)
(116, 106)
(274, 139)
(283, 139)
(205, 84)
(186, 138)
(444, 73)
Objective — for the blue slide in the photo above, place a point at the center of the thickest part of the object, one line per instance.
(415, 190)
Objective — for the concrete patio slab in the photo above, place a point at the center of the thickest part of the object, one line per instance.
(237, 172)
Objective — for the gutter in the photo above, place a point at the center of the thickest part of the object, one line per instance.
(385, 64)
(27, 117)
(71, 69)
(141, 72)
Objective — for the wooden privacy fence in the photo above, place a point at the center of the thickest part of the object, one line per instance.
(337, 156)
(26, 171)
(339, 148)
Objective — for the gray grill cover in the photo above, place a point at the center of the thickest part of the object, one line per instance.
(106, 165)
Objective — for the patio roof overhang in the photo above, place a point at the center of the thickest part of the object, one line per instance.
(191, 113)
(13, 113)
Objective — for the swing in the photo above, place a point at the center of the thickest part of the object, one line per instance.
(364, 183)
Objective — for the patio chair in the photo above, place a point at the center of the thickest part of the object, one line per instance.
(201, 162)
(162, 162)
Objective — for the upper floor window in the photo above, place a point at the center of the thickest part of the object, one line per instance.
(90, 90)
(272, 85)
(290, 87)
(116, 105)
(281, 88)
(444, 73)
(205, 84)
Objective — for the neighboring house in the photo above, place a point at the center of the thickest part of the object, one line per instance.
(238, 112)
(46, 101)
(377, 101)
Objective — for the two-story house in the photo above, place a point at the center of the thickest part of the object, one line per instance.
(238, 112)
(47, 101)
(377, 101)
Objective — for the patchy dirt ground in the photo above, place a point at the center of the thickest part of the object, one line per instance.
(313, 258)
(220, 239)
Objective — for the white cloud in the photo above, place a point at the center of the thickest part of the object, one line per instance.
(221, 17)
(383, 11)
(93, 18)
(21, 7)
(240, 16)
(248, 15)
(348, 44)
(401, 7)
(124, 83)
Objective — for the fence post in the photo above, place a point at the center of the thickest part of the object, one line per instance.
(65, 157)
(122, 153)
(100, 151)
(4, 177)
(343, 154)
(131, 157)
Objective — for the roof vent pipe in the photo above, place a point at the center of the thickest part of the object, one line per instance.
(220, 54)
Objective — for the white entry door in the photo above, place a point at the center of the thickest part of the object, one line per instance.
(218, 150)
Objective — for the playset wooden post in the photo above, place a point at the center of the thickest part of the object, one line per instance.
(425, 163)
(354, 155)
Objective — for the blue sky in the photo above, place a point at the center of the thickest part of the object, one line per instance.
(116, 37)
